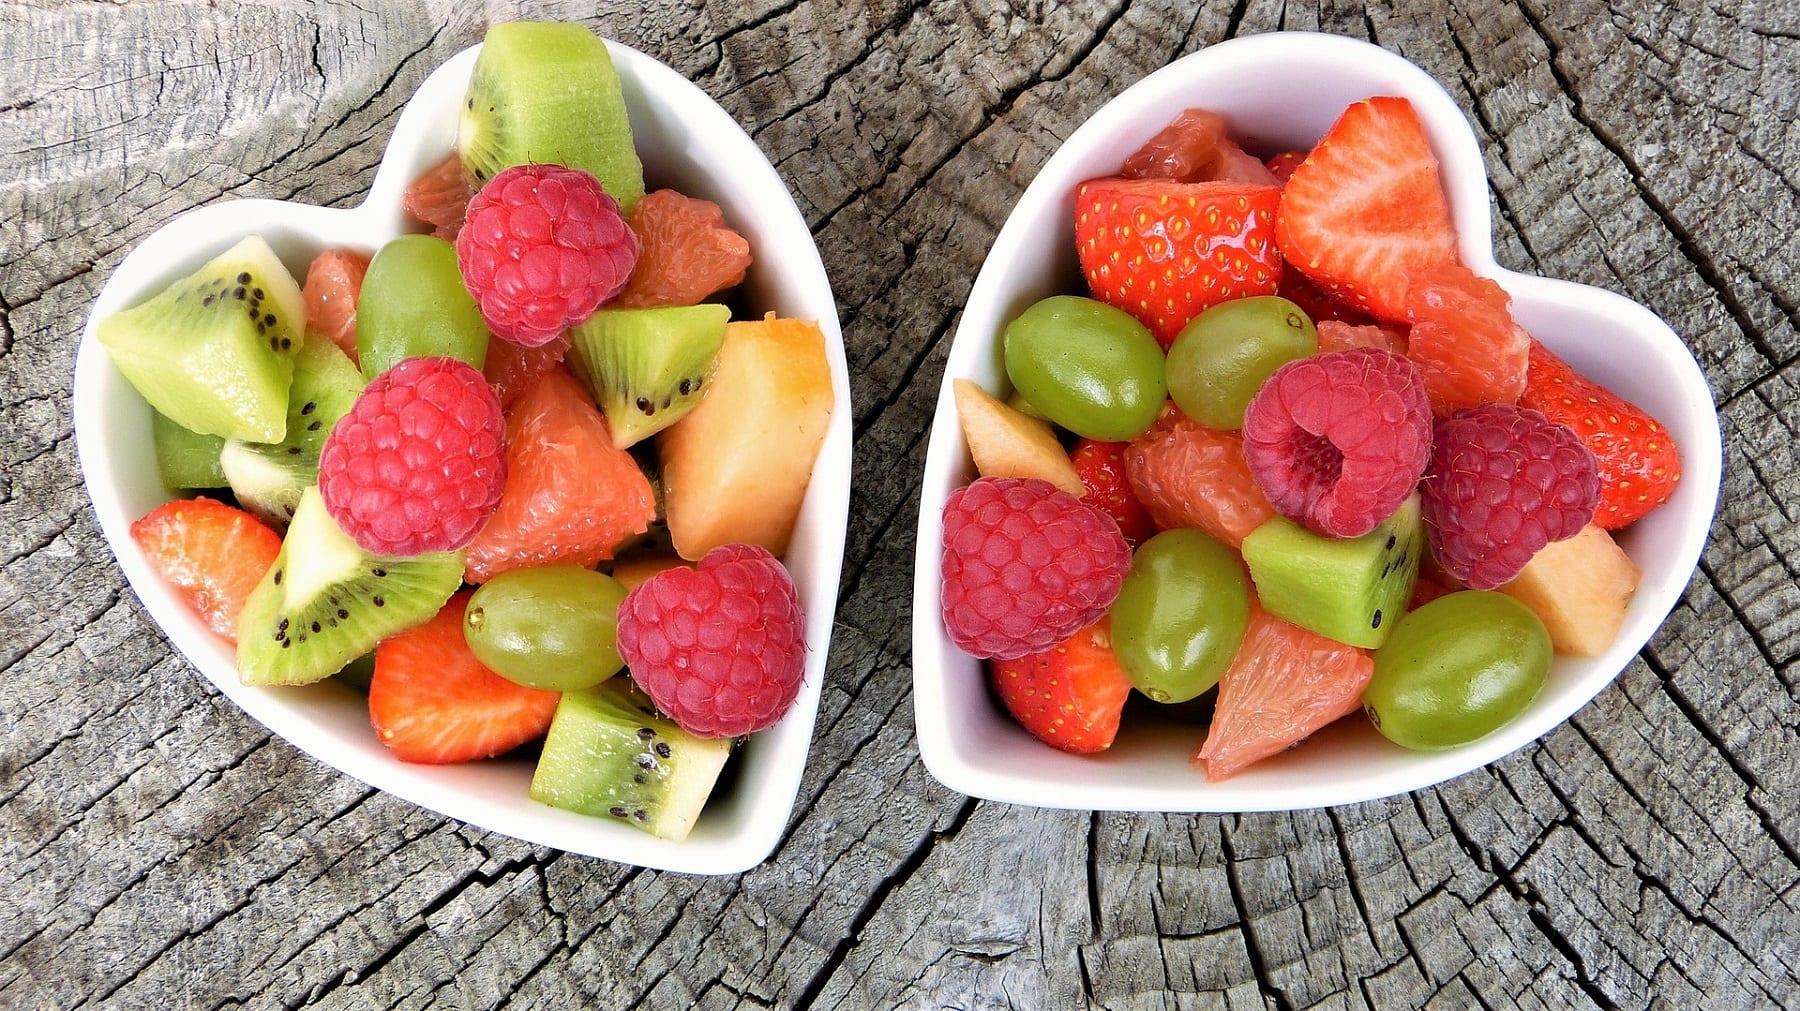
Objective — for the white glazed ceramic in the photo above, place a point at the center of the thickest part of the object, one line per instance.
(1279, 92)
(686, 141)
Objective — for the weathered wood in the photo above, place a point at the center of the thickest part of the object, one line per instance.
(159, 849)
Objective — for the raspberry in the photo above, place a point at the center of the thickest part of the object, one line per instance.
(1338, 440)
(1504, 482)
(542, 247)
(417, 464)
(720, 648)
(1026, 565)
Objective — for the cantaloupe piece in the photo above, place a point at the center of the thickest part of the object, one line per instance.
(1008, 443)
(630, 572)
(735, 469)
(1580, 587)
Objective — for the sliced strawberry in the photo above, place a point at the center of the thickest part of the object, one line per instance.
(1313, 300)
(1101, 467)
(1283, 684)
(439, 198)
(1366, 209)
(432, 702)
(333, 283)
(1463, 339)
(1164, 251)
(1639, 465)
(213, 555)
(1069, 696)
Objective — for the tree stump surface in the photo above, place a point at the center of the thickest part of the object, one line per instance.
(159, 849)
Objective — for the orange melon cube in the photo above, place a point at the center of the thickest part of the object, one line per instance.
(1580, 587)
(735, 469)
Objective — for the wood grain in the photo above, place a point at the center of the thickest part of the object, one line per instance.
(158, 849)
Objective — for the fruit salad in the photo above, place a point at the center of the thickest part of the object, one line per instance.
(1288, 455)
(523, 479)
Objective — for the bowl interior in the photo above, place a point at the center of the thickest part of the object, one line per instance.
(687, 141)
(1281, 91)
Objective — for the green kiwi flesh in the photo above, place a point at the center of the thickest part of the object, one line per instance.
(267, 478)
(608, 754)
(187, 461)
(547, 92)
(1352, 590)
(214, 352)
(647, 367)
(326, 601)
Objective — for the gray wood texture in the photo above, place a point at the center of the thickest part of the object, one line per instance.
(158, 849)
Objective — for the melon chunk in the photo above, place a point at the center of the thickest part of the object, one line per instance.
(1006, 442)
(735, 469)
(1580, 588)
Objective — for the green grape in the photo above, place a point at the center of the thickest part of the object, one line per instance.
(1086, 366)
(552, 626)
(1221, 358)
(413, 303)
(1180, 616)
(1457, 669)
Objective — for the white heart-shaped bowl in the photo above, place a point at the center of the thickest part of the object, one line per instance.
(686, 141)
(1280, 92)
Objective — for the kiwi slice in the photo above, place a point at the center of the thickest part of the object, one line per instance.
(187, 461)
(267, 478)
(647, 367)
(547, 92)
(609, 754)
(326, 601)
(1352, 589)
(214, 351)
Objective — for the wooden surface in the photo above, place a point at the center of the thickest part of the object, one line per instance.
(159, 850)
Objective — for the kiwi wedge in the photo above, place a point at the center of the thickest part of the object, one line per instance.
(547, 92)
(267, 478)
(608, 754)
(214, 351)
(326, 601)
(1352, 590)
(647, 367)
(187, 461)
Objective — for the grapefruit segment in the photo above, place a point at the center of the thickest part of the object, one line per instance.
(686, 252)
(1463, 339)
(1188, 475)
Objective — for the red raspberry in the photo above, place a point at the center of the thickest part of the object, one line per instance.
(720, 648)
(1338, 440)
(542, 247)
(417, 465)
(1504, 482)
(1026, 565)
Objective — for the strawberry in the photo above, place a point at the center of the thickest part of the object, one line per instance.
(1101, 467)
(1365, 210)
(213, 555)
(1284, 164)
(432, 702)
(1164, 251)
(1638, 463)
(1069, 696)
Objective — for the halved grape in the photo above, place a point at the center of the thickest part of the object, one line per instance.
(1221, 358)
(1086, 366)
(551, 626)
(1457, 669)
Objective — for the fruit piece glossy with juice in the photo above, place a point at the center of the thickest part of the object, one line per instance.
(736, 468)
(413, 304)
(1457, 669)
(1349, 589)
(686, 252)
(1180, 616)
(548, 626)
(213, 556)
(333, 281)
(1188, 475)
(1221, 358)
(268, 478)
(1088, 367)
(1071, 695)
(647, 368)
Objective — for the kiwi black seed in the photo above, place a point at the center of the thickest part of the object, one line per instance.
(646, 368)
(269, 477)
(317, 609)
